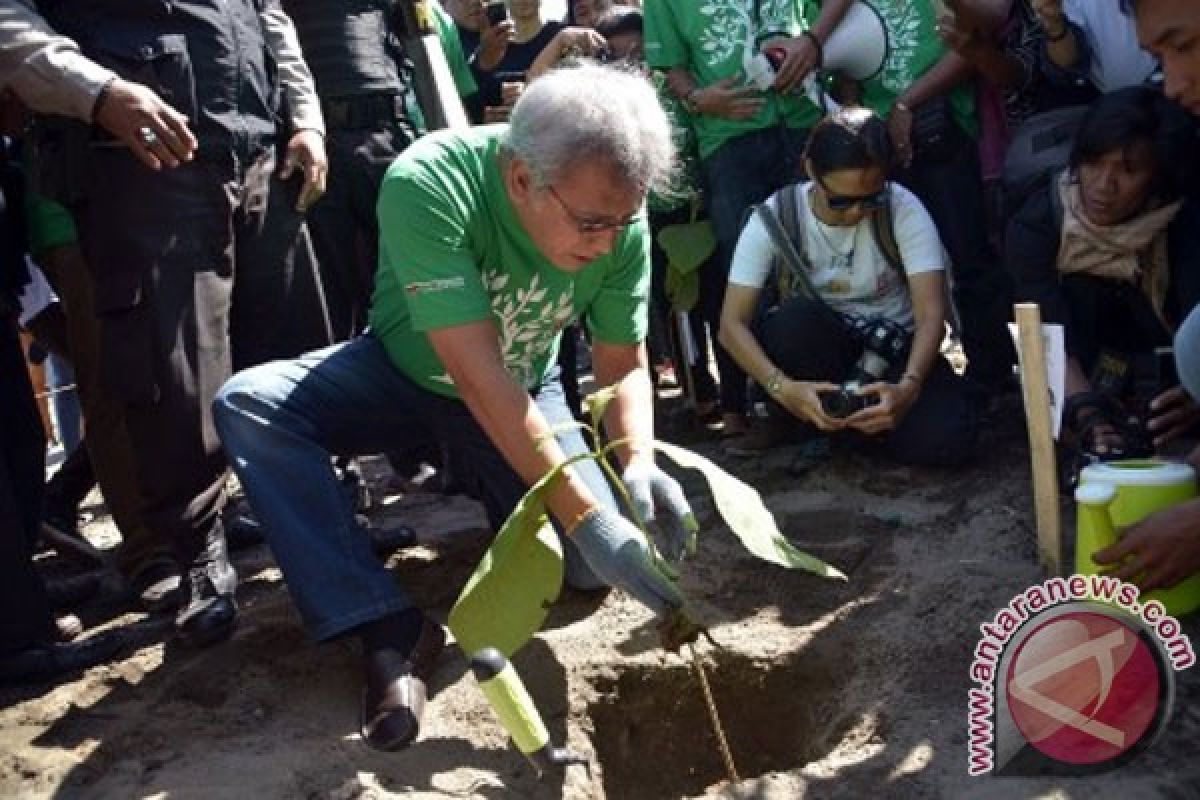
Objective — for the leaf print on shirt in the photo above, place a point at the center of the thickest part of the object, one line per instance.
(902, 19)
(731, 25)
(528, 322)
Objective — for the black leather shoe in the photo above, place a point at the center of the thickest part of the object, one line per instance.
(394, 697)
(44, 662)
(212, 624)
(72, 591)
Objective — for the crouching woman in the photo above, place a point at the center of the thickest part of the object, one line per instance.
(852, 280)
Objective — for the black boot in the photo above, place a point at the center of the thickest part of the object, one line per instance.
(208, 614)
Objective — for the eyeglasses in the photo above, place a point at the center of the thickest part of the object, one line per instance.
(845, 202)
(589, 225)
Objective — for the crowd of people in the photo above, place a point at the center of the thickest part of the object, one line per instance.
(263, 259)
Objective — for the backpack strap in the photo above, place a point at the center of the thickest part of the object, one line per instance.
(883, 229)
(792, 264)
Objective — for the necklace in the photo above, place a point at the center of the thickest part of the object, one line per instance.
(841, 260)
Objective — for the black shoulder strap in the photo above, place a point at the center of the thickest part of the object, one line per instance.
(883, 228)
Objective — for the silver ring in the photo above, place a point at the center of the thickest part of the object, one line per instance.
(148, 136)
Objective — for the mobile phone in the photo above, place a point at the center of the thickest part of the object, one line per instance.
(497, 12)
(1166, 376)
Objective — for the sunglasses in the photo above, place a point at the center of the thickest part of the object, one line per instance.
(589, 225)
(845, 202)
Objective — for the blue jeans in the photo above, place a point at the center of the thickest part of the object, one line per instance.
(742, 172)
(281, 422)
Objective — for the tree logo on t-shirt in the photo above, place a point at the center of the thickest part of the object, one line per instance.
(731, 26)
(529, 319)
(903, 23)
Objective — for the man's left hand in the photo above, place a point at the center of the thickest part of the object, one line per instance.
(1173, 413)
(661, 503)
(306, 151)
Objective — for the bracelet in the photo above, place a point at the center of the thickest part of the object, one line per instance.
(102, 96)
(900, 105)
(911, 376)
(689, 101)
(570, 529)
(816, 42)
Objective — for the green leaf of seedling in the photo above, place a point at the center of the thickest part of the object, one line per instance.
(597, 403)
(742, 508)
(508, 596)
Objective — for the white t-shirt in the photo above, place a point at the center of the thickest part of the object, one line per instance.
(849, 270)
(1118, 60)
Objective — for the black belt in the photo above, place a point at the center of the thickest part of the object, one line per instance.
(363, 111)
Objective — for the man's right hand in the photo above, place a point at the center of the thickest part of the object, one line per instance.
(617, 552)
(493, 44)
(721, 99)
(803, 400)
(154, 132)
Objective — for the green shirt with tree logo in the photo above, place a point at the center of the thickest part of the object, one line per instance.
(913, 48)
(710, 38)
(452, 251)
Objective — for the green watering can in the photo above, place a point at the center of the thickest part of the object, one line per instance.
(1113, 496)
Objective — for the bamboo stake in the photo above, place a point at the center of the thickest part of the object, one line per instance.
(1036, 392)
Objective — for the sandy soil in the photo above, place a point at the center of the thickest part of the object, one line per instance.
(826, 689)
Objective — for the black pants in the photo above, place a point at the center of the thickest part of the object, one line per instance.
(1105, 315)
(950, 187)
(25, 615)
(809, 342)
(109, 450)
(742, 172)
(194, 276)
(344, 227)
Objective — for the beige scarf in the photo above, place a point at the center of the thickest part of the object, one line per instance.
(1133, 252)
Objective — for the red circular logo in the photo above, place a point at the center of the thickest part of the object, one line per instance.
(1084, 688)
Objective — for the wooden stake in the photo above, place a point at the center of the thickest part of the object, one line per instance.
(1036, 391)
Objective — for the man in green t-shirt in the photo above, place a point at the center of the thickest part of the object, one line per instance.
(925, 91)
(749, 139)
(491, 241)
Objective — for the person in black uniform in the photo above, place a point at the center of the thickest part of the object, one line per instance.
(185, 98)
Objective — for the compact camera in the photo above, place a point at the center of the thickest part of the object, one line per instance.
(885, 345)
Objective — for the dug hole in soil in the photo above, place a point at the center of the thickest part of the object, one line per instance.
(825, 688)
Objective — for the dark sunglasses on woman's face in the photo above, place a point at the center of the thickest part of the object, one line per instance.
(845, 202)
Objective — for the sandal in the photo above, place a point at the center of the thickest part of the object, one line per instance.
(1098, 431)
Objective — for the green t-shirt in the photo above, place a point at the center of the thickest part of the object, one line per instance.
(710, 38)
(452, 251)
(913, 48)
(456, 59)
